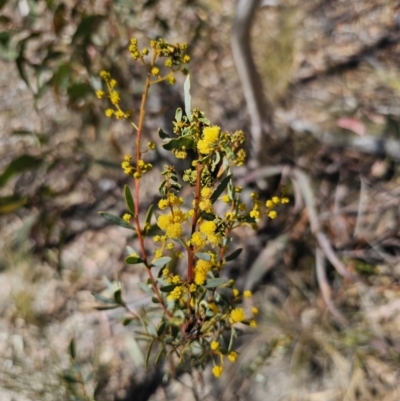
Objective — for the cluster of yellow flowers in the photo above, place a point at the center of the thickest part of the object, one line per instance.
(114, 97)
(270, 204)
(138, 171)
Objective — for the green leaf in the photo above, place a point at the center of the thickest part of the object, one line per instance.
(188, 98)
(127, 321)
(234, 254)
(207, 216)
(146, 362)
(178, 114)
(161, 261)
(161, 328)
(161, 188)
(129, 199)
(71, 349)
(118, 297)
(155, 300)
(179, 143)
(162, 134)
(106, 307)
(149, 215)
(215, 282)
(18, 165)
(221, 188)
(203, 256)
(133, 259)
(116, 220)
(168, 288)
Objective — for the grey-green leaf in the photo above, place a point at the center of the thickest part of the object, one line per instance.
(215, 282)
(203, 256)
(161, 261)
(116, 220)
(188, 98)
(129, 199)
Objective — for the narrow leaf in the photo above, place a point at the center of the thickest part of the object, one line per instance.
(129, 199)
(107, 307)
(161, 328)
(116, 220)
(221, 188)
(168, 288)
(162, 351)
(234, 254)
(71, 349)
(146, 362)
(188, 98)
(149, 215)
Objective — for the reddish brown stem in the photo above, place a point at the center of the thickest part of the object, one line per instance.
(137, 189)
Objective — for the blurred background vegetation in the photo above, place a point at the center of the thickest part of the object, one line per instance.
(330, 69)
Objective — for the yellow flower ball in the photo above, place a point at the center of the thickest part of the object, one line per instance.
(217, 370)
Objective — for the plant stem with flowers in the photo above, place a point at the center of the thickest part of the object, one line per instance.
(201, 309)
